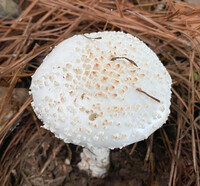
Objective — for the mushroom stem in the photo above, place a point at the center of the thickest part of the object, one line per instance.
(95, 161)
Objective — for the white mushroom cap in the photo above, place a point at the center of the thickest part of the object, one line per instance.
(86, 96)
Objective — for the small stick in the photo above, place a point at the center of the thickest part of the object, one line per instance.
(92, 38)
(114, 58)
(133, 148)
(140, 90)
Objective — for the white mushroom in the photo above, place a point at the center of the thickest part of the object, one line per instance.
(102, 91)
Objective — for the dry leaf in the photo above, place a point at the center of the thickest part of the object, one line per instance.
(9, 9)
(193, 2)
(19, 96)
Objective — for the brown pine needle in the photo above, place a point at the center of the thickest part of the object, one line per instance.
(115, 58)
(142, 91)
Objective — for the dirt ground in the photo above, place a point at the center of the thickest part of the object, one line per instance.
(42, 162)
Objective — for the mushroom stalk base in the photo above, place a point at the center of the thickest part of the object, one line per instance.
(95, 161)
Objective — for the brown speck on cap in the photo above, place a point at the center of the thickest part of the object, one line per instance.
(104, 78)
(93, 116)
(82, 96)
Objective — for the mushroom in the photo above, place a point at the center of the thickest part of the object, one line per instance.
(101, 91)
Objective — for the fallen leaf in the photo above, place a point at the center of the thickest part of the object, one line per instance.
(9, 9)
(19, 96)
